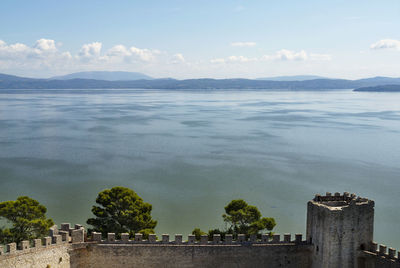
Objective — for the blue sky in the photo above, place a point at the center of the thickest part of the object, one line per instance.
(184, 39)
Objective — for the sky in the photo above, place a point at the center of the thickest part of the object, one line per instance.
(194, 39)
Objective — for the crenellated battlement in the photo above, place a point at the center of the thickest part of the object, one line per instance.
(339, 233)
(339, 201)
(383, 253)
(55, 238)
(241, 239)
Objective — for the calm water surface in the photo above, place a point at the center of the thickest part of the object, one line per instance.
(190, 153)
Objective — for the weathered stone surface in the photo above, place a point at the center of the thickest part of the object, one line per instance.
(96, 236)
(191, 239)
(78, 235)
(52, 256)
(162, 255)
(124, 237)
(339, 226)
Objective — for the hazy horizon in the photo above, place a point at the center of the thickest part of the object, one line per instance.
(284, 77)
(181, 39)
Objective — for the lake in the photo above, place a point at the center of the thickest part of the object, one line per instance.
(189, 153)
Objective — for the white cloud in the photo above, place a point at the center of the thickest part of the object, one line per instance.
(280, 55)
(18, 51)
(122, 53)
(45, 45)
(240, 59)
(386, 44)
(143, 54)
(243, 44)
(285, 54)
(118, 51)
(233, 59)
(90, 50)
(178, 58)
(45, 57)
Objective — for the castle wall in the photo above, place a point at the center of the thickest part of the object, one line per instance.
(54, 256)
(142, 255)
(339, 234)
(50, 252)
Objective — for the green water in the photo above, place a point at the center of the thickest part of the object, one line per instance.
(190, 152)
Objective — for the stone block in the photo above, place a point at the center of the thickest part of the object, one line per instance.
(264, 238)
(65, 227)
(241, 238)
(37, 243)
(328, 194)
(337, 194)
(138, 237)
(11, 248)
(64, 235)
(152, 238)
(204, 239)
(228, 239)
(57, 239)
(299, 238)
(374, 247)
(78, 236)
(382, 249)
(276, 238)
(191, 239)
(286, 238)
(392, 253)
(216, 238)
(53, 230)
(111, 237)
(96, 236)
(125, 237)
(78, 226)
(178, 239)
(47, 241)
(253, 238)
(165, 238)
(24, 245)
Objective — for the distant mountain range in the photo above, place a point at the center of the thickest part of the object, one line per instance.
(292, 78)
(104, 75)
(15, 82)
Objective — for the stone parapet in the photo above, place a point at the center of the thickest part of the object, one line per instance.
(56, 238)
(216, 239)
(383, 254)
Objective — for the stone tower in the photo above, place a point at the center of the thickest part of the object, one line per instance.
(339, 227)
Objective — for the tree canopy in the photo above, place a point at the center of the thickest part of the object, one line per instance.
(246, 219)
(121, 210)
(241, 218)
(27, 218)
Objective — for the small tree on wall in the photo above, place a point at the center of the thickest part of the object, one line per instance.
(121, 210)
(27, 218)
(241, 218)
(246, 219)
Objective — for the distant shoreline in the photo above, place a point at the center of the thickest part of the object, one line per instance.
(15, 82)
(384, 88)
